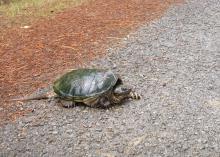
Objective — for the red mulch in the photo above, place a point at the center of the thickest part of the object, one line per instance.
(33, 57)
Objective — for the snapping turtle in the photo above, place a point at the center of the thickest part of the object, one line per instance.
(93, 87)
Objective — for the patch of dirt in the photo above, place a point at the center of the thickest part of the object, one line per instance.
(32, 57)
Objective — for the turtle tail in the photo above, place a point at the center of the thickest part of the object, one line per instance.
(134, 95)
(36, 97)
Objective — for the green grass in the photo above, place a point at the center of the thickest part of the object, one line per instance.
(36, 8)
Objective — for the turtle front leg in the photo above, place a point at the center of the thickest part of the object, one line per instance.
(134, 95)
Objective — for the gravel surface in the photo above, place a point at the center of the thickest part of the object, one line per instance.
(174, 63)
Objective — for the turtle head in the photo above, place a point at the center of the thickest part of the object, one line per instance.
(121, 92)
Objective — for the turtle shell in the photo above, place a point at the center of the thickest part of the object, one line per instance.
(84, 83)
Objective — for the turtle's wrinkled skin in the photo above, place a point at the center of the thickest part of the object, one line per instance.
(93, 87)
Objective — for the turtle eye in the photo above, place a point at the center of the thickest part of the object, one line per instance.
(124, 89)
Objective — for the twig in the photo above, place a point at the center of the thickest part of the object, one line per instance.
(68, 47)
(114, 38)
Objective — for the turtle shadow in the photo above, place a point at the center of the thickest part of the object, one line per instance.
(99, 107)
(82, 105)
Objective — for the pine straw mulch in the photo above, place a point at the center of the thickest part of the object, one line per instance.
(33, 57)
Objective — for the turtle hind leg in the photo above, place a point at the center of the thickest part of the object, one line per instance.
(67, 104)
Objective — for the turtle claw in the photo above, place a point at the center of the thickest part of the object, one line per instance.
(66, 104)
(69, 105)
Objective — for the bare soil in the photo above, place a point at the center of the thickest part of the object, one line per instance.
(31, 58)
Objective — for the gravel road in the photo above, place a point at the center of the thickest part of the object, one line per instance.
(174, 63)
